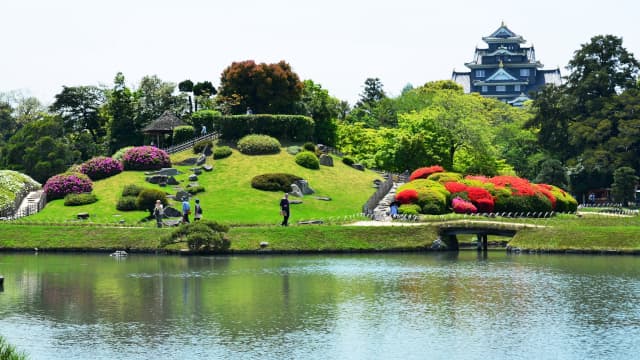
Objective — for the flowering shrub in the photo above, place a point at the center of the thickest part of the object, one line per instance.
(60, 185)
(462, 206)
(444, 177)
(12, 185)
(423, 173)
(145, 158)
(454, 187)
(101, 167)
(118, 155)
(407, 196)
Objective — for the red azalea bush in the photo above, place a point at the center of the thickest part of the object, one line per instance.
(407, 196)
(546, 191)
(101, 167)
(145, 158)
(424, 172)
(454, 187)
(462, 206)
(68, 183)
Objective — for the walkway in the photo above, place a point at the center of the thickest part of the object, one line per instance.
(31, 204)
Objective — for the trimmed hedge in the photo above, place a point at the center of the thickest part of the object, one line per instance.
(146, 200)
(79, 199)
(259, 145)
(145, 158)
(132, 190)
(221, 152)
(201, 145)
(308, 160)
(291, 127)
(348, 161)
(101, 168)
(58, 186)
(274, 182)
(183, 134)
(127, 203)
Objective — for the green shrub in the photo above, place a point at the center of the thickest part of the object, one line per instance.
(274, 182)
(443, 177)
(348, 161)
(522, 204)
(118, 155)
(195, 189)
(259, 145)
(131, 190)
(183, 134)
(201, 145)
(146, 200)
(309, 146)
(409, 209)
(127, 203)
(200, 236)
(432, 201)
(308, 160)
(292, 127)
(79, 199)
(221, 152)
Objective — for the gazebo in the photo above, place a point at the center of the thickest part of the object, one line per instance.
(162, 125)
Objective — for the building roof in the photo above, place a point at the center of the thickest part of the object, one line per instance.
(163, 124)
(551, 76)
(503, 34)
(519, 101)
(501, 75)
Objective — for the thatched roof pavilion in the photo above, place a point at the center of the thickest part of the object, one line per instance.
(162, 125)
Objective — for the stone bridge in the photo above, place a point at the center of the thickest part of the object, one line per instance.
(449, 230)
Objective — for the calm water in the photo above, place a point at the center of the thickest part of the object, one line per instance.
(408, 306)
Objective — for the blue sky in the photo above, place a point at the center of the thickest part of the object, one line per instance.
(50, 43)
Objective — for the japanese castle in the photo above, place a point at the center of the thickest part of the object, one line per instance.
(506, 69)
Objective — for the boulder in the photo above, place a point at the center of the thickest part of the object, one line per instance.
(358, 167)
(304, 187)
(201, 159)
(296, 201)
(171, 212)
(295, 191)
(323, 198)
(188, 161)
(193, 177)
(165, 171)
(196, 170)
(310, 222)
(323, 148)
(171, 223)
(156, 179)
(172, 181)
(207, 167)
(182, 195)
(326, 160)
(82, 215)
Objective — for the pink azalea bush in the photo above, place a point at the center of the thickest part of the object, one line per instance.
(60, 185)
(101, 167)
(462, 206)
(145, 158)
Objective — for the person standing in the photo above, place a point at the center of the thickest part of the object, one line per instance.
(197, 211)
(203, 132)
(158, 213)
(186, 210)
(284, 209)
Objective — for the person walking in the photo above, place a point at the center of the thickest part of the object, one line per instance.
(284, 209)
(203, 132)
(186, 210)
(158, 213)
(197, 211)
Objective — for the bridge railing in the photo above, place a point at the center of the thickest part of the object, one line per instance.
(190, 143)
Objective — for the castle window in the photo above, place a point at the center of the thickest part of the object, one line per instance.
(501, 88)
(524, 72)
(485, 88)
(480, 73)
(516, 87)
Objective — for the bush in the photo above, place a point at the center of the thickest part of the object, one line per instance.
(445, 177)
(309, 146)
(274, 182)
(195, 189)
(127, 203)
(292, 127)
(221, 152)
(79, 199)
(183, 134)
(9, 352)
(348, 161)
(131, 190)
(424, 172)
(258, 145)
(432, 201)
(308, 160)
(201, 145)
(145, 158)
(200, 235)
(118, 155)
(146, 200)
(408, 196)
(58, 186)
(462, 206)
(409, 209)
(101, 167)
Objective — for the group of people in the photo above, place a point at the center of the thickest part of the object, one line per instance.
(158, 211)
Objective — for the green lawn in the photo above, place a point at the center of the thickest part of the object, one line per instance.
(229, 197)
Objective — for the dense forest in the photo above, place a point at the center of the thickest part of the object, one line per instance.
(581, 135)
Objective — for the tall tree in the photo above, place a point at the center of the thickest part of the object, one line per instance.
(79, 108)
(265, 88)
(624, 185)
(202, 92)
(153, 98)
(322, 108)
(121, 112)
(186, 86)
(372, 93)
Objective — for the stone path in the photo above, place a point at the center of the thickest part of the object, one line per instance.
(381, 211)
(29, 204)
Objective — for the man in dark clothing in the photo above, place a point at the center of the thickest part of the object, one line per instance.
(284, 209)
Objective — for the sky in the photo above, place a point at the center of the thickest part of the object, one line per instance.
(336, 43)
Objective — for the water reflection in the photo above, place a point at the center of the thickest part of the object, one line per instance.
(447, 305)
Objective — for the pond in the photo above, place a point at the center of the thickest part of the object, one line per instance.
(375, 306)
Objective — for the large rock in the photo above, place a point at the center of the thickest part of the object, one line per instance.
(156, 179)
(201, 159)
(358, 167)
(165, 171)
(182, 195)
(207, 167)
(196, 170)
(326, 160)
(193, 177)
(172, 181)
(188, 161)
(171, 212)
(295, 191)
(304, 187)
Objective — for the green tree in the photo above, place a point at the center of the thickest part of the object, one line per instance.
(186, 86)
(322, 108)
(554, 173)
(372, 93)
(265, 88)
(8, 123)
(152, 98)
(202, 92)
(624, 184)
(79, 108)
(120, 109)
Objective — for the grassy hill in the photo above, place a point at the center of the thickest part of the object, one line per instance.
(229, 197)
